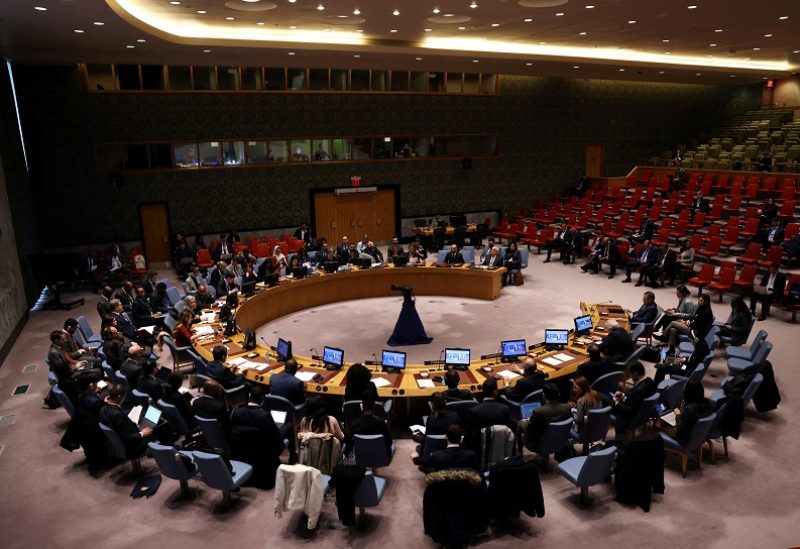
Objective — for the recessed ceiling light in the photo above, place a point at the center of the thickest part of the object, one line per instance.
(560, 14)
(449, 14)
(622, 70)
(528, 64)
(250, 1)
(359, 30)
(260, 23)
(660, 72)
(712, 45)
(693, 7)
(665, 40)
(206, 51)
(356, 55)
(495, 24)
(746, 58)
(320, 7)
(141, 40)
(756, 49)
(418, 58)
(732, 76)
(39, 8)
(632, 22)
(229, 18)
(667, 53)
(428, 30)
(79, 31)
(796, 51)
(783, 18)
(292, 1)
(341, 17)
(699, 74)
(576, 66)
(356, 11)
(582, 33)
(768, 36)
(202, 12)
(291, 53)
(292, 26)
(396, 12)
(462, 28)
(542, 43)
(528, 20)
(327, 30)
(590, 6)
(392, 30)
(175, 3)
(436, 10)
(130, 46)
(99, 23)
(473, 4)
(717, 30)
(475, 60)
(713, 56)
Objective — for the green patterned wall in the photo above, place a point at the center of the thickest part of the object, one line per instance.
(542, 125)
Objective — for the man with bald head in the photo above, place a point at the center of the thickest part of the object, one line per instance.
(532, 380)
(617, 344)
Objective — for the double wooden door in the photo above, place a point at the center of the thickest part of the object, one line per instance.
(356, 214)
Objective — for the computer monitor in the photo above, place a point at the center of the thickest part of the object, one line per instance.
(299, 272)
(457, 358)
(459, 220)
(556, 337)
(232, 298)
(393, 359)
(583, 324)
(400, 260)
(364, 262)
(284, 349)
(249, 288)
(332, 357)
(513, 348)
(331, 266)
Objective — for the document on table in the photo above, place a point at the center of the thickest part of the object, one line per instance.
(552, 361)
(261, 368)
(237, 361)
(425, 384)
(381, 382)
(417, 428)
(208, 317)
(134, 414)
(508, 374)
(204, 330)
(248, 365)
(563, 357)
(305, 376)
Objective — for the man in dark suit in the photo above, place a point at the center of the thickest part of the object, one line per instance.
(645, 232)
(772, 235)
(286, 385)
(560, 240)
(493, 259)
(643, 261)
(454, 257)
(226, 285)
(664, 267)
(551, 410)
(452, 457)
(369, 424)
(771, 289)
(132, 367)
(699, 204)
(210, 404)
(617, 344)
(217, 273)
(595, 367)
(149, 285)
(626, 405)
(255, 439)
(104, 305)
(343, 251)
(223, 251)
(453, 393)
(302, 233)
(395, 250)
(141, 312)
(648, 312)
(221, 373)
(148, 383)
(126, 295)
(683, 366)
(532, 380)
(112, 415)
(489, 412)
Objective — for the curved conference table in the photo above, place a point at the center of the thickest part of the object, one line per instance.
(417, 380)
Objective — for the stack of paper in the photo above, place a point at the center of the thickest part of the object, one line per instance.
(425, 384)
(305, 376)
(381, 382)
(508, 374)
(204, 330)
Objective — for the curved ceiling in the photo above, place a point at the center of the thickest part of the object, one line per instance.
(671, 40)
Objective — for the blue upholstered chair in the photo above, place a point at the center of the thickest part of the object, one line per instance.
(65, 402)
(749, 352)
(181, 361)
(712, 340)
(52, 379)
(608, 383)
(174, 418)
(594, 428)
(370, 451)
(632, 358)
(172, 465)
(118, 448)
(642, 415)
(213, 433)
(516, 407)
(215, 474)
(86, 330)
(738, 365)
(433, 443)
(694, 446)
(554, 438)
(174, 295)
(719, 395)
(585, 471)
(119, 377)
(715, 432)
(140, 399)
(370, 492)
(671, 390)
(169, 323)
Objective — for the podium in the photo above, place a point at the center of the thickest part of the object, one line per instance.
(409, 329)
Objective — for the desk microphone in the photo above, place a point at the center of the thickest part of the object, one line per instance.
(266, 355)
(441, 354)
(314, 356)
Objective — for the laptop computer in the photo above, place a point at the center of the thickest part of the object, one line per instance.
(527, 409)
(278, 416)
(667, 359)
(667, 415)
(151, 417)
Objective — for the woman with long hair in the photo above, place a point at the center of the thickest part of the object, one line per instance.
(318, 421)
(585, 399)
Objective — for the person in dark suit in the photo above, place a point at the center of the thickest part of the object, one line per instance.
(453, 393)
(699, 204)
(343, 251)
(683, 366)
(774, 286)
(217, 274)
(695, 406)
(700, 323)
(255, 439)
(67, 369)
(148, 383)
(369, 424)
(302, 233)
(768, 212)
(452, 457)
(532, 380)
(359, 380)
(648, 312)
(492, 259)
(126, 294)
(439, 420)
(171, 394)
(223, 251)
(77, 351)
(454, 257)
(617, 344)
(645, 232)
(132, 367)
(141, 312)
(286, 385)
(227, 285)
(149, 284)
(550, 410)
(643, 261)
(512, 261)
(601, 248)
(626, 405)
(221, 373)
(210, 405)
(772, 235)
(104, 305)
(489, 412)
(595, 367)
(738, 327)
(564, 237)
(395, 250)
(112, 415)
(664, 268)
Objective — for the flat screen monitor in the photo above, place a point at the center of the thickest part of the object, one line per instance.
(393, 359)
(299, 272)
(364, 262)
(233, 298)
(514, 348)
(458, 220)
(556, 337)
(333, 357)
(249, 288)
(457, 358)
(400, 260)
(284, 349)
(583, 324)
(331, 266)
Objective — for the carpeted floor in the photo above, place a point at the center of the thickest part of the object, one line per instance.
(50, 500)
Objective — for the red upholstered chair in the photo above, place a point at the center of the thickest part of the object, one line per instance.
(699, 221)
(724, 282)
(750, 228)
(744, 282)
(792, 230)
(794, 308)
(703, 278)
(730, 239)
(716, 212)
(751, 254)
(786, 213)
(204, 259)
(134, 272)
(262, 250)
(774, 255)
(734, 205)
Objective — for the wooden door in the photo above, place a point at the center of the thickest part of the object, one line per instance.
(154, 222)
(356, 214)
(593, 160)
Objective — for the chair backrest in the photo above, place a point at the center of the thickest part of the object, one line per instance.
(433, 443)
(637, 331)
(214, 471)
(173, 417)
(113, 440)
(699, 432)
(108, 370)
(85, 328)
(555, 436)
(608, 383)
(275, 402)
(762, 352)
(597, 467)
(170, 462)
(761, 336)
(180, 305)
(120, 378)
(212, 433)
(634, 357)
(371, 451)
(671, 394)
(645, 411)
(595, 425)
(64, 400)
(173, 294)
(139, 398)
(715, 431)
(169, 322)
(534, 396)
(752, 387)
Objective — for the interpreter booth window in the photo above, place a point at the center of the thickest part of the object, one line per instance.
(380, 81)
(436, 82)
(421, 146)
(301, 150)
(205, 78)
(256, 152)
(359, 80)
(109, 157)
(128, 77)
(100, 77)
(340, 149)
(233, 153)
(228, 78)
(251, 78)
(454, 82)
(136, 157)
(186, 156)
(322, 150)
(160, 155)
(362, 148)
(480, 145)
(275, 79)
(472, 83)
(180, 77)
(382, 148)
(153, 77)
(399, 81)
(340, 80)
(318, 79)
(402, 147)
(278, 151)
(297, 79)
(210, 154)
(449, 146)
(489, 83)
(419, 81)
